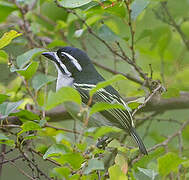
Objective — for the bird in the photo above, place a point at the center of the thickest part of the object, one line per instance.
(76, 69)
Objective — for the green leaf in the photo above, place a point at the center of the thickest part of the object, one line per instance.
(61, 173)
(56, 150)
(5, 140)
(101, 131)
(25, 115)
(56, 43)
(186, 163)
(63, 95)
(3, 137)
(23, 59)
(102, 106)
(93, 164)
(145, 33)
(137, 7)
(106, 83)
(6, 9)
(8, 37)
(29, 126)
(134, 104)
(30, 70)
(169, 163)
(73, 3)
(3, 56)
(116, 173)
(3, 98)
(148, 172)
(107, 34)
(74, 159)
(8, 107)
(40, 80)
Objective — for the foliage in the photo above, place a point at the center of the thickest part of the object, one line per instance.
(143, 43)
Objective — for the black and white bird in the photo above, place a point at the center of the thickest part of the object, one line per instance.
(76, 69)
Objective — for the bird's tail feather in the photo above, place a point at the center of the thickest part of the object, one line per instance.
(138, 140)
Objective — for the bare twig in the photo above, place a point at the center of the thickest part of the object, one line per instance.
(2, 157)
(123, 57)
(41, 155)
(147, 99)
(164, 143)
(21, 171)
(127, 75)
(132, 32)
(175, 25)
(66, 130)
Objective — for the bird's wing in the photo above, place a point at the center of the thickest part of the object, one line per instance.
(122, 118)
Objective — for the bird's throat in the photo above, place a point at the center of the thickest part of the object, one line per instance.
(63, 80)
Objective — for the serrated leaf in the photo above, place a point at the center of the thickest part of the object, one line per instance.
(3, 98)
(148, 172)
(116, 173)
(106, 83)
(137, 7)
(56, 150)
(102, 106)
(169, 163)
(62, 95)
(23, 59)
(8, 37)
(8, 107)
(73, 3)
(94, 164)
(40, 80)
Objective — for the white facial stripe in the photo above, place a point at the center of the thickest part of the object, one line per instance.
(74, 61)
(62, 65)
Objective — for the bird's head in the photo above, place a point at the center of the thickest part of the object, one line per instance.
(70, 61)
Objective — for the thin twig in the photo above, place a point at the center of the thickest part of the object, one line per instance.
(41, 155)
(63, 129)
(132, 32)
(175, 25)
(147, 99)
(127, 75)
(164, 143)
(19, 169)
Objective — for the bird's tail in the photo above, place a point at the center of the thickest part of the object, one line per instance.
(138, 140)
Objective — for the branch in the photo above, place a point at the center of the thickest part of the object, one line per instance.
(59, 113)
(124, 57)
(175, 25)
(127, 75)
(165, 143)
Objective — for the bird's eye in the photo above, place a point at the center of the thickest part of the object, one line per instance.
(63, 58)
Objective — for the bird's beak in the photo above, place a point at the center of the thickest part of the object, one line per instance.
(50, 55)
